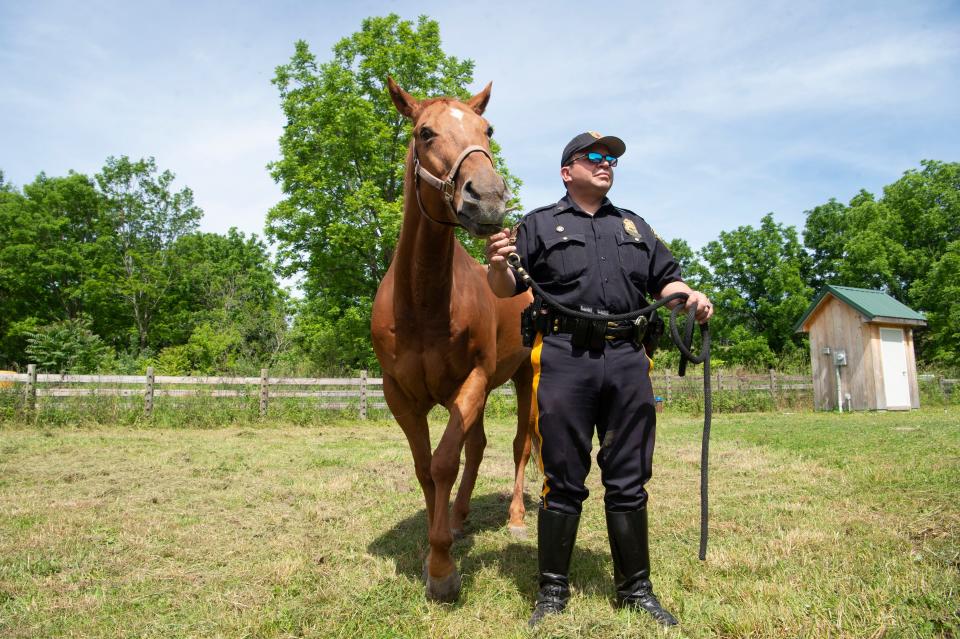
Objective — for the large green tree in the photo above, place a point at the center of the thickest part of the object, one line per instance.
(148, 217)
(758, 284)
(54, 239)
(341, 164)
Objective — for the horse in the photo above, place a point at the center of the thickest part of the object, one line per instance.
(440, 334)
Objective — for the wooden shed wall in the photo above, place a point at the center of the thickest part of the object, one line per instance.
(838, 326)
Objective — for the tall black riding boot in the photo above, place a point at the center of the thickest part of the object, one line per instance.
(631, 564)
(556, 534)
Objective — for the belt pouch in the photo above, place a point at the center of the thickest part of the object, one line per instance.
(598, 331)
(580, 335)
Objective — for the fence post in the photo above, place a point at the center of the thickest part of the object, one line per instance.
(264, 391)
(719, 380)
(669, 389)
(363, 394)
(773, 385)
(148, 394)
(31, 390)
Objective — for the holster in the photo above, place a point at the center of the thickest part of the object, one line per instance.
(654, 331)
(534, 319)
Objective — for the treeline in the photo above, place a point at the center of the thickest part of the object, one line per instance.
(110, 273)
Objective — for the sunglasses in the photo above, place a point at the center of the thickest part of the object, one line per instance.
(595, 158)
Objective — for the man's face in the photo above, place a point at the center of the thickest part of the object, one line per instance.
(583, 175)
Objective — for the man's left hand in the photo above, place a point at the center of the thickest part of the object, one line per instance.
(704, 306)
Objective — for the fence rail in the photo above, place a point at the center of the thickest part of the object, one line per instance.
(362, 393)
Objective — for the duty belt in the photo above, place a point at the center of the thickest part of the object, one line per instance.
(609, 330)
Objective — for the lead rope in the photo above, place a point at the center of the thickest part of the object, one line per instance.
(683, 344)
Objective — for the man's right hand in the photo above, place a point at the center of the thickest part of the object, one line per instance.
(499, 275)
(498, 248)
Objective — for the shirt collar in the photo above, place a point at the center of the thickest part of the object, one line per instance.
(566, 203)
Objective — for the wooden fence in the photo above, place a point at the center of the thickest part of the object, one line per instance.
(361, 393)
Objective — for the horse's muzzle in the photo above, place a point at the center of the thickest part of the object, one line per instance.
(481, 212)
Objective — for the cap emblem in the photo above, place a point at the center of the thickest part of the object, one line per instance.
(595, 134)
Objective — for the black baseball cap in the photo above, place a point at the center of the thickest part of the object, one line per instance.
(588, 139)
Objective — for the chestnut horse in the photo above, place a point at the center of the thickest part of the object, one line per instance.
(441, 335)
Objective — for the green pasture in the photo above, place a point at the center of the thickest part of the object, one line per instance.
(822, 525)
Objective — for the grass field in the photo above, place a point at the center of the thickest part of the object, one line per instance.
(822, 526)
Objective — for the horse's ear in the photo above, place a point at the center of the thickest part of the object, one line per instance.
(406, 104)
(479, 102)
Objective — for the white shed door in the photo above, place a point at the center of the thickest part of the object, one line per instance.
(894, 355)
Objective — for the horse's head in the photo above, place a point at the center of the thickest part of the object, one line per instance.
(451, 142)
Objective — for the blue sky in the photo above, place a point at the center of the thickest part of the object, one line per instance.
(729, 110)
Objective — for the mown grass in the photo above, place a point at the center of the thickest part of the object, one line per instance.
(822, 525)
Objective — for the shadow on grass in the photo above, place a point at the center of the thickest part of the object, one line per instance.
(406, 544)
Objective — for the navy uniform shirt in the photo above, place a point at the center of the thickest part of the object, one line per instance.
(610, 261)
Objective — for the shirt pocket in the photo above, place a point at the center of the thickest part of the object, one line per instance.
(634, 258)
(565, 256)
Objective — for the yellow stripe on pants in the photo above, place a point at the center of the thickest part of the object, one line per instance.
(535, 361)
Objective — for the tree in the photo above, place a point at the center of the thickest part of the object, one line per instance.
(147, 219)
(342, 158)
(222, 286)
(53, 240)
(759, 290)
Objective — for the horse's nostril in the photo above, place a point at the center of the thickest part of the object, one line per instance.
(468, 187)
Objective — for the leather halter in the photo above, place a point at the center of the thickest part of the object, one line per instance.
(448, 186)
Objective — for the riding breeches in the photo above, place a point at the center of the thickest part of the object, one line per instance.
(577, 390)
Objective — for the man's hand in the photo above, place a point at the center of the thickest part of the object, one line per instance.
(498, 248)
(704, 305)
(499, 276)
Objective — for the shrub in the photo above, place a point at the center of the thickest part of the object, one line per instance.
(68, 346)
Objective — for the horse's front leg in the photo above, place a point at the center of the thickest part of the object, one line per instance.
(476, 442)
(443, 581)
(415, 427)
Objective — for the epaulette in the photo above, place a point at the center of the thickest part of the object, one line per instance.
(548, 207)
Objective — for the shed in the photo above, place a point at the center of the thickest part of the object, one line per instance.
(861, 350)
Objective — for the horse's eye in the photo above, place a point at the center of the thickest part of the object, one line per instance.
(427, 134)
(489, 131)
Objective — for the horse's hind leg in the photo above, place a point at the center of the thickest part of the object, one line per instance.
(475, 444)
(523, 386)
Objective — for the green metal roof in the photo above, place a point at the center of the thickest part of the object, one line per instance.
(868, 302)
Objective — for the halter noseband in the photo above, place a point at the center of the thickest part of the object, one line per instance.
(446, 187)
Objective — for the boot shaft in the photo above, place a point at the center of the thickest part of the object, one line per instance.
(556, 536)
(629, 547)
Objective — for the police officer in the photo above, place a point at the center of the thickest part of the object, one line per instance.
(592, 256)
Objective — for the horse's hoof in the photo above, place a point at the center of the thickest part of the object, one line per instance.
(444, 590)
(518, 532)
